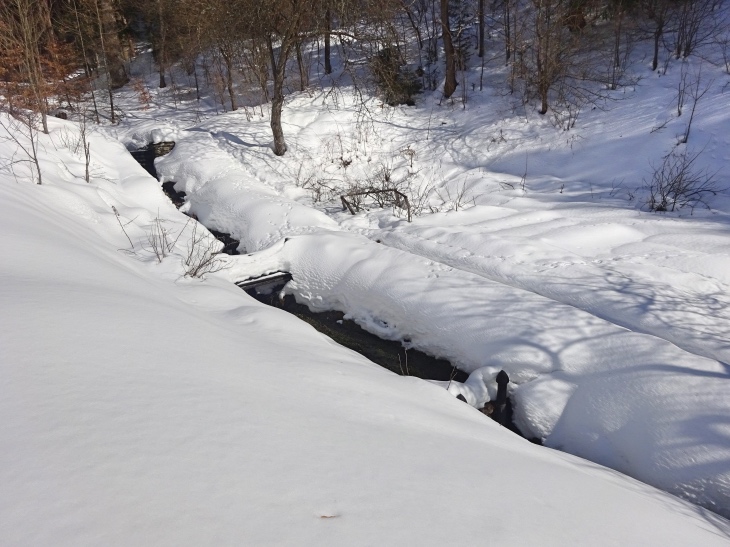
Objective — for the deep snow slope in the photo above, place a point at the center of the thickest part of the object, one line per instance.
(611, 321)
(141, 407)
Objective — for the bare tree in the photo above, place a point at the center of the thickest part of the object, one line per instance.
(328, 39)
(658, 14)
(24, 29)
(21, 130)
(449, 51)
(553, 46)
(697, 90)
(281, 26)
(111, 46)
(696, 22)
(481, 22)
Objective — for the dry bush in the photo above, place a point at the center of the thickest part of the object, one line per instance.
(159, 240)
(22, 129)
(143, 94)
(455, 198)
(203, 254)
(677, 182)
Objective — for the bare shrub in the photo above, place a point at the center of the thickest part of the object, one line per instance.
(143, 93)
(697, 90)
(20, 127)
(387, 197)
(321, 190)
(409, 153)
(455, 198)
(678, 182)
(77, 142)
(203, 254)
(419, 196)
(159, 241)
(119, 220)
(383, 189)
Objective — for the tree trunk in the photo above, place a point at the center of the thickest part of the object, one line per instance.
(229, 77)
(543, 56)
(618, 27)
(277, 102)
(87, 65)
(105, 59)
(303, 76)
(197, 85)
(161, 60)
(327, 45)
(507, 32)
(112, 47)
(480, 11)
(450, 83)
(543, 101)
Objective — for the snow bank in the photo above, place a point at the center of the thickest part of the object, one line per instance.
(630, 401)
(254, 213)
(141, 408)
(613, 322)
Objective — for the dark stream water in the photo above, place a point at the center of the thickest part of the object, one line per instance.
(387, 353)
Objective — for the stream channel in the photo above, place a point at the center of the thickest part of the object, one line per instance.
(389, 354)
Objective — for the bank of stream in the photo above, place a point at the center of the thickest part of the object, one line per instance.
(386, 353)
(389, 354)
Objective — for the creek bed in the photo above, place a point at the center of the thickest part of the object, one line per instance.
(386, 353)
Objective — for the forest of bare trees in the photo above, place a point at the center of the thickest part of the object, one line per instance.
(560, 54)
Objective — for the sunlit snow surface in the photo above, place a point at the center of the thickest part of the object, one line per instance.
(138, 406)
(613, 322)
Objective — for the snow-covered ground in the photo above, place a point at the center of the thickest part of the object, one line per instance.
(540, 257)
(142, 406)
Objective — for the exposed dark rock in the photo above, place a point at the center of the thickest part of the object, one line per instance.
(177, 198)
(264, 284)
(162, 148)
(230, 245)
(146, 156)
(499, 413)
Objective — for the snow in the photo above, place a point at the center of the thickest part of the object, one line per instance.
(544, 224)
(581, 381)
(600, 311)
(140, 406)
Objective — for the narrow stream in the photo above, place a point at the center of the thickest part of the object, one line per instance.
(387, 353)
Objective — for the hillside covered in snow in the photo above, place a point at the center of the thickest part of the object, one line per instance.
(146, 399)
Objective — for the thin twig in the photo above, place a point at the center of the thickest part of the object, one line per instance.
(116, 213)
